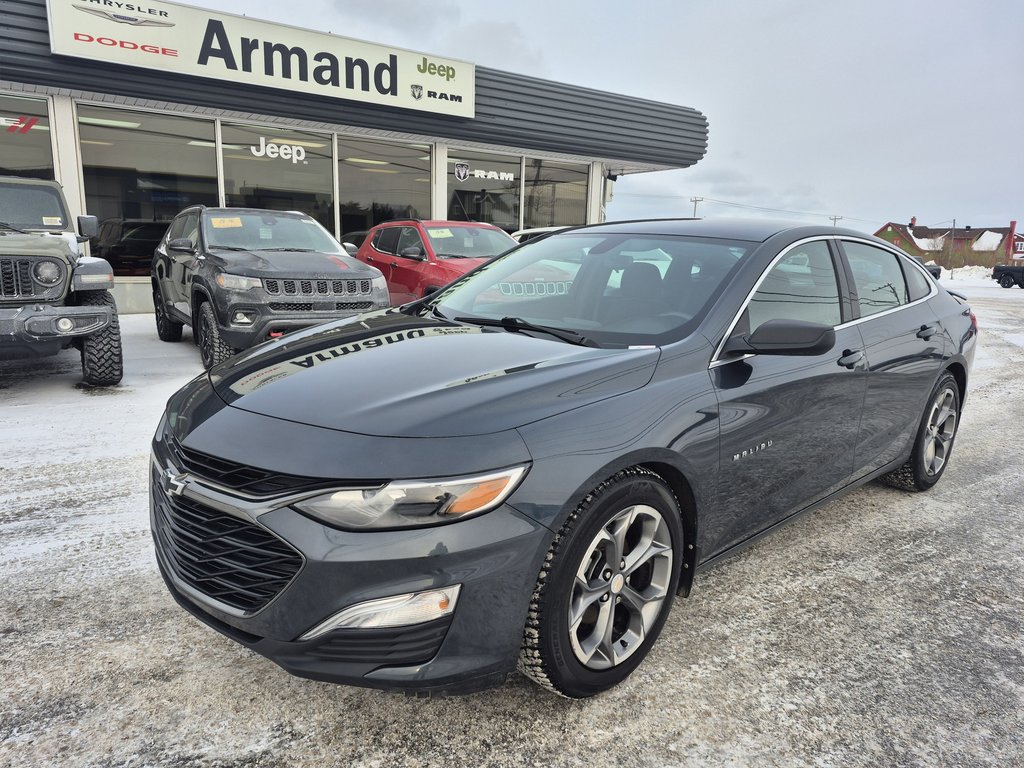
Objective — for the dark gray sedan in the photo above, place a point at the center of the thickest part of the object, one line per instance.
(527, 467)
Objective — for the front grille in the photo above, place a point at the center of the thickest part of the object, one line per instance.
(240, 477)
(289, 287)
(399, 646)
(280, 306)
(354, 306)
(16, 279)
(227, 558)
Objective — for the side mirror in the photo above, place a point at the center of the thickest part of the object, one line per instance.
(785, 337)
(88, 226)
(413, 252)
(350, 249)
(181, 244)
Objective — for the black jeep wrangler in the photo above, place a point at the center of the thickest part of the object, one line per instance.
(240, 276)
(51, 296)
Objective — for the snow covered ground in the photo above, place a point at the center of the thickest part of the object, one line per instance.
(883, 629)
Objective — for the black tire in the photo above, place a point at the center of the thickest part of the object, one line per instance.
(166, 329)
(582, 593)
(1007, 281)
(212, 349)
(102, 362)
(935, 437)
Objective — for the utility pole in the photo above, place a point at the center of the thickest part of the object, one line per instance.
(835, 219)
(695, 200)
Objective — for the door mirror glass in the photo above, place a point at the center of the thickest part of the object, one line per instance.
(785, 337)
(350, 248)
(412, 252)
(88, 226)
(180, 244)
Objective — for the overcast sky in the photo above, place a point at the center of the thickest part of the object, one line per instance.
(874, 110)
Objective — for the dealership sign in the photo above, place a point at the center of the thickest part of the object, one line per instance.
(193, 41)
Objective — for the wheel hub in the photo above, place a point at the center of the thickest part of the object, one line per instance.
(618, 582)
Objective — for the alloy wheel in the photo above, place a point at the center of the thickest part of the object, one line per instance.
(619, 587)
(941, 430)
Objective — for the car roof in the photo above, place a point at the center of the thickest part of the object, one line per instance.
(437, 223)
(757, 230)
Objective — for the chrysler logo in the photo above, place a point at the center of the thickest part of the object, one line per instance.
(121, 18)
(175, 482)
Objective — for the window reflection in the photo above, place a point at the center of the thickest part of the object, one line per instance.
(25, 138)
(378, 182)
(279, 169)
(484, 188)
(140, 169)
(555, 194)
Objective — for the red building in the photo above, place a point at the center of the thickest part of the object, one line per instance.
(984, 246)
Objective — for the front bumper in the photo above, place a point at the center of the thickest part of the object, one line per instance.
(271, 322)
(318, 571)
(33, 325)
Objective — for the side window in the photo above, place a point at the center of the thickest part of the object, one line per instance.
(386, 240)
(191, 229)
(878, 278)
(918, 285)
(176, 228)
(410, 238)
(801, 286)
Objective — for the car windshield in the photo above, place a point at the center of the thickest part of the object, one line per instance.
(27, 206)
(466, 242)
(614, 289)
(266, 231)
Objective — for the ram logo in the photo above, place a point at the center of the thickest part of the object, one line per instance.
(417, 92)
(462, 171)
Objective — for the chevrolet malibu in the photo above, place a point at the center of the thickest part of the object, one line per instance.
(527, 471)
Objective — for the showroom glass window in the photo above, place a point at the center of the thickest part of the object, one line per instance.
(140, 169)
(801, 286)
(878, 278)
(279, 169)
(379, 182)
(484, 188)
(554, 194)
(25, 138)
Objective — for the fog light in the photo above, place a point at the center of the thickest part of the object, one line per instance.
(243, 318)
(397, 611)
(65, 324)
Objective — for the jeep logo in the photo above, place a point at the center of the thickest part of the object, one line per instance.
(430, 68)
(292, 152)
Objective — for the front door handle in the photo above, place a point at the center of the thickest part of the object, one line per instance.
(927, 331)
(850, 358)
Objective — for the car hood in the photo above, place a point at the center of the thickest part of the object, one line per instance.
(300, 264)
(389, 374)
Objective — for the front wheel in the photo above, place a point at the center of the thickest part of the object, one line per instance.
(934, 442)
(606, 587)
(1007, 281)
(212, 348)
(102, 364)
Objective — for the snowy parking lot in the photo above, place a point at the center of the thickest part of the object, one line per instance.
(882, 629)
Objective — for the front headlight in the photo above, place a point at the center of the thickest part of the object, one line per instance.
(379, 291)
(47, 273)
(411, 503)
(238, 282)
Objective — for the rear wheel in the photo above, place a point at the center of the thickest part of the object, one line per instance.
(934, 442)
(102, 364)
(1007, 281)
(166, 329)
(606, 587)
(212, 348)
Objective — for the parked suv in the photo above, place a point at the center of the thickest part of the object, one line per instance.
(51, 296)
(418, 257)
(240, 276)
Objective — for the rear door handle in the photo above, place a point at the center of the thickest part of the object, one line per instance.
(927, 331)
(850, 358)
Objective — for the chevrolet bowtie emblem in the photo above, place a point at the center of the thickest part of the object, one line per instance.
(175, 482)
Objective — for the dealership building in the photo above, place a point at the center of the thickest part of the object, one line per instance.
(140, 109)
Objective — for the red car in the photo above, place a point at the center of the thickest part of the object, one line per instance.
(418, 257)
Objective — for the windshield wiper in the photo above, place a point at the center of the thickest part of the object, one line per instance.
(5, 225)
(301, 250)
(227, 248)
(518, 324)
